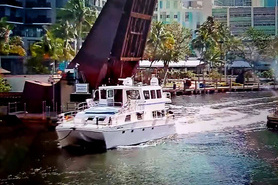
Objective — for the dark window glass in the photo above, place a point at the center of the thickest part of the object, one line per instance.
(146, 95)
(133, 94)
(153, 94)
(127, 118)
(158, 94)
(103, 94)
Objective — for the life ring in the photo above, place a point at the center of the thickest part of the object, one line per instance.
(68, 117)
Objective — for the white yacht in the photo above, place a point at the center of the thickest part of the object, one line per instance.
(123, 115)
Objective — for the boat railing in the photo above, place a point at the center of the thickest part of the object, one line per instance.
(81, 106)
(67, 116)
(112, 104)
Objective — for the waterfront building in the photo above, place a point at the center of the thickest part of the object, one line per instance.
(189, 13)
(239, 15)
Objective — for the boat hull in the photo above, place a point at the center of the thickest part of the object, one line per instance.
(114, 137)
(272, 121)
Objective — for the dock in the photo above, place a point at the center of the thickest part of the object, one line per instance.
(218, 89)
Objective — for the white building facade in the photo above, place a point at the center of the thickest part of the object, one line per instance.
(189, 13)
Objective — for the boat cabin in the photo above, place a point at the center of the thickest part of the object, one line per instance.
(120, 95)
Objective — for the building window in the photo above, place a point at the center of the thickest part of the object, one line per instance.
(175, 4)
(175, 16)
(167, 16)
(168, 4)
(186, 16)
(161, 4)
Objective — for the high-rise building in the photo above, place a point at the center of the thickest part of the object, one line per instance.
(189, 13)
(232, 2)
(260, 14)
(29, 18)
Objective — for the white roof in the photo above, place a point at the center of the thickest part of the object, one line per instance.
(134, 87)
(240, 64)
(191, 62)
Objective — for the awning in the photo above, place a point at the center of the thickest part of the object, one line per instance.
(191, 62)
(240, 64)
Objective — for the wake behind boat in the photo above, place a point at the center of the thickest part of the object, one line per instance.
(123, 115)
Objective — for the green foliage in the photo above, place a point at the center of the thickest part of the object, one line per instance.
(156, 38)
(215, 75)
(180, 74)
(37, 65)
(267, 74)
(169, 43)
(255, 44)
(177, 47)
(48, 49)
(79, 17)
(9, 45)
(4, 86)
(214, 41)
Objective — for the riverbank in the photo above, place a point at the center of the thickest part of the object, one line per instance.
(209, 88)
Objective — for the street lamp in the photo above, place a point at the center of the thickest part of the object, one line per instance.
(52, 82)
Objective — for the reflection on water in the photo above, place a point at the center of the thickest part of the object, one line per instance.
(221, 139)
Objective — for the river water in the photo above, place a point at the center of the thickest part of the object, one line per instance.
(221, 139)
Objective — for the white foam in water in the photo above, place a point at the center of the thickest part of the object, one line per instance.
(232, 119)
(206, 118)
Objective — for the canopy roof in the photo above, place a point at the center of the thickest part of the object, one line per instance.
(193, 62)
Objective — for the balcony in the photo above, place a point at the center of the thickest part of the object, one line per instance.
(11, 18)
(39, 19)
(15, 19)
(11, 2)
(38, 4)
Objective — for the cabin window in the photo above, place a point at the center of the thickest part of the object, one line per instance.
(154, 114)
(127, 118)
(146, 94)
(133, 94)
(139, 115)
(159, 114)
(158, 94)
(110, 94)
(96, 95)
(90, 118)
(101, 118)
(163, 113)
(103, 94)
(153, 94)
(118, 97)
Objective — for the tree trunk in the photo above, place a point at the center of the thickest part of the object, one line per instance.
(79, 37)
(166, 66)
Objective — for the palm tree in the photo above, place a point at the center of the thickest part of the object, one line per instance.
(214, 40)
(156, 38)
(176, 47)
(79, 16)
(50, 49)
(9, 45)
(5, 31)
